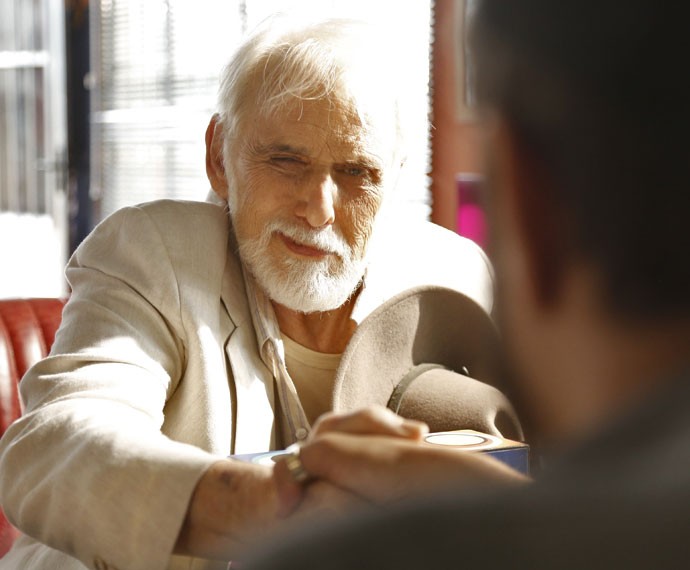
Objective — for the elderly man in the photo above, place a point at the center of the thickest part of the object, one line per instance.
(191, 334)
(587, 154)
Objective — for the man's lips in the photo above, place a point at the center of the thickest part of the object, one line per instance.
(302, 249)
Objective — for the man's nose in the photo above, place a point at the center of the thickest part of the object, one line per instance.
(316, 205)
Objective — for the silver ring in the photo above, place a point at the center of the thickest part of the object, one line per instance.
(294, 464)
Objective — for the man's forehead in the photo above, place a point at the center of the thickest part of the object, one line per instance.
(314, 128)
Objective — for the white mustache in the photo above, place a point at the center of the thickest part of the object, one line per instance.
(328, 240)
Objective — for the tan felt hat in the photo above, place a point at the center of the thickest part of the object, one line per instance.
(430, 354)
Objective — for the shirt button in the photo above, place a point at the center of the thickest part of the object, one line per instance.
(301, 433)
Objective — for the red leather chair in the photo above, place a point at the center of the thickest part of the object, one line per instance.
(27, 330)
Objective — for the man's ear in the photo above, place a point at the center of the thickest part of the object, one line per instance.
(537, 221)
(215, 169)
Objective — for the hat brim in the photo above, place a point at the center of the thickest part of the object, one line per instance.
(428, 325)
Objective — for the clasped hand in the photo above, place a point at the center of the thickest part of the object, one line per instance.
(374, 456)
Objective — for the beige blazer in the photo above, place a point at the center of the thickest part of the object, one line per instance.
(154, 375)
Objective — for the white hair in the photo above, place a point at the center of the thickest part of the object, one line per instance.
(287, 60)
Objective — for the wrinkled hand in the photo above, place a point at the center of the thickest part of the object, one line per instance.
(233, 504)
(372, 420)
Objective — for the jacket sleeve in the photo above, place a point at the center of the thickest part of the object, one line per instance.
(87, 469)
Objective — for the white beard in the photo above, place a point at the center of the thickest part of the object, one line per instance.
(304, 285)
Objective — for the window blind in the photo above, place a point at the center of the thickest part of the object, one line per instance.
(156, 67)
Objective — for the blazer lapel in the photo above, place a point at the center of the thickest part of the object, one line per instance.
(254, 395)
(251, 379)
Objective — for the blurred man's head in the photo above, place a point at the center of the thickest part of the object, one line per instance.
(312, 145)
(589, 174)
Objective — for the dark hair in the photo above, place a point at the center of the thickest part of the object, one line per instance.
(599, 91)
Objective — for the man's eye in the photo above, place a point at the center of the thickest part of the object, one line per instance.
(360, 173)
(352, 170)
(286, 160)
